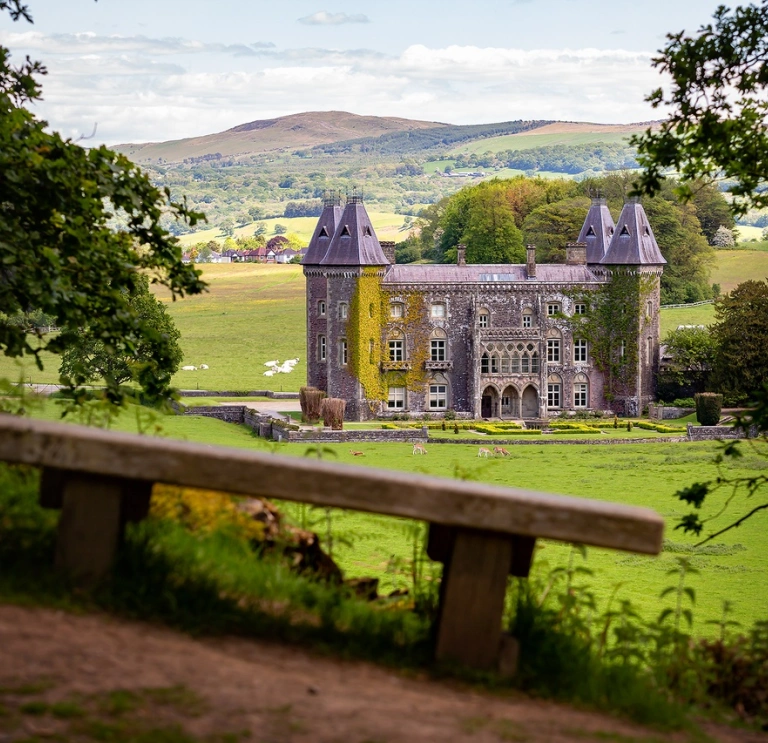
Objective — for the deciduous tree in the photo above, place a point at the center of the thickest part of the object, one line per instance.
(59, 253)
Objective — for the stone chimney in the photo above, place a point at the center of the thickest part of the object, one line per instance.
(388, 248)
(576, 254)
(461, 255)
(531, 262)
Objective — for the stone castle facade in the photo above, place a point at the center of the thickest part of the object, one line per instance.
(485, 341)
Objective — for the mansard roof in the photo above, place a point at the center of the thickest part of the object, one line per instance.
(326, 226)
(354, 243)
(478, 273)
(633, 242)
(597, 231)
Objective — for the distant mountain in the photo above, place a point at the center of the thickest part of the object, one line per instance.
(298, 131)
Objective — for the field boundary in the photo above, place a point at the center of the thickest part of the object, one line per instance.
(689, 304)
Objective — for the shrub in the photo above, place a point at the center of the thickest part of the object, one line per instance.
(684, 402)
(450, 415)
(332, 410)
(629, 425)
(708, 407)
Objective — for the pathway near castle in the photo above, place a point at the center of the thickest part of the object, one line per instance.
(276, 692)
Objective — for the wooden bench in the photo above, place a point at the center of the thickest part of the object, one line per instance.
(102, 480)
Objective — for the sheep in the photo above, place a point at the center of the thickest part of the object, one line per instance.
(203, 366)
(189, 368)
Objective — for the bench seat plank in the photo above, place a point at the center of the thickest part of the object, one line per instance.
(450, 502)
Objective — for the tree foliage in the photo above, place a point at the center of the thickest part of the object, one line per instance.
(89, 358)
(693, 354)
(550, 226)
(59, 252)
(717, 124)
(740, 334)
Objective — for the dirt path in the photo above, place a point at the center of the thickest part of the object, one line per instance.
(276, 692)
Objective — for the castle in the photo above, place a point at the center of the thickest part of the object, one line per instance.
(490, 341)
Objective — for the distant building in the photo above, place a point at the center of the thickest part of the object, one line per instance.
(491, 341)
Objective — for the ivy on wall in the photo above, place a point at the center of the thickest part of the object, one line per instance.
(368, 331)
(616, 314)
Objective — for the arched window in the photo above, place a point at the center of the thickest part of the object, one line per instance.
(554, 347)
(437, 397)
(504, 362)
(485, 364)
(515, 362)
(483, 319)
(438, 346)
(554, 391)
(494, 363)
(581, 391)
(396, 346)
(535, 362)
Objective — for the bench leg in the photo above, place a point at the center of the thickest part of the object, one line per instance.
(472, 599)
(89, 527)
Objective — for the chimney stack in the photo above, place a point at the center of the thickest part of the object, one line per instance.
(531, 262)
(461, 255)
(388, 248)
(576, 254)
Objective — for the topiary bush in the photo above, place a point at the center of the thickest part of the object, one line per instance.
(708, 407)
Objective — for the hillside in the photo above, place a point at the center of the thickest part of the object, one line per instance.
(287, 132)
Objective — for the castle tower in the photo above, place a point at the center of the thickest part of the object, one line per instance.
(597, 231)
(635, 264)
(317, 290)
(334, 318)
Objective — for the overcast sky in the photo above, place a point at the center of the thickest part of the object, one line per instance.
(153, 70)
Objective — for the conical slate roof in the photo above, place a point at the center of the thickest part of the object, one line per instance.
(597, 231)
(326, 227)
(354, 243)
(633, 243)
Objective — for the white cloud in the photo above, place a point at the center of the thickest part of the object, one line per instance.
(142, 89)
(323, 18)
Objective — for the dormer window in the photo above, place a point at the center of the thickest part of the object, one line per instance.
(624, 231)
(591, 231)
(324, 232)
(345, 231)
(367, 231)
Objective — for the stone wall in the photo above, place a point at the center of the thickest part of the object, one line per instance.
(710, 433)
(240, 393)
(352, 436)
(228, 413)
(668, 412)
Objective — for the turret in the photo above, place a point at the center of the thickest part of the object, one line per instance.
(597, 231)
(324, 231)
(354, 242)
(633, 243)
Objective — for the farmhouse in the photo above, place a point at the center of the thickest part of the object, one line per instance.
(491, 341)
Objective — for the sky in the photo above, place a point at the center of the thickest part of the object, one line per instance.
(156, 70)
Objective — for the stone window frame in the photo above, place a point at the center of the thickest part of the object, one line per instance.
(322, 347)
(554, 391)
(434, 394)
(580, 308)
(396, 310)
(396, 394)
(554, 347)
(554, 308)
(484, 318)
(343, 352)
(321, 308)
(581, 392)
(527, 317)
(580, 351)
(438, 336)
(396, 349)
(343, 310)
(438, 310)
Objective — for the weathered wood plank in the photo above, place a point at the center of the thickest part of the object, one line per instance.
(450, 502)
(472, 599)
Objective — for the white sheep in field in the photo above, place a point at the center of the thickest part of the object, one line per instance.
(189, 368)
(203, 366)
(269, 373)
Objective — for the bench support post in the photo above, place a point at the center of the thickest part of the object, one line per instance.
(94, 512)
(472, 599)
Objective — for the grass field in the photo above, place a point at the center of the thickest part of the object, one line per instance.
(736, 567)
(736, 266)
(530, 141)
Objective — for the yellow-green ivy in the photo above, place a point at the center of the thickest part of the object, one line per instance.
(366, 337)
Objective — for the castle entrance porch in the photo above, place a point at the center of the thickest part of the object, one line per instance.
(530, 402)
(489, 403)
(510, 402)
